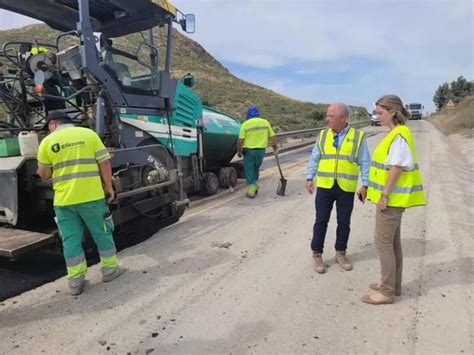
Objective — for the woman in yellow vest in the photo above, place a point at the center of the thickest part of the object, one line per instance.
(394, 185)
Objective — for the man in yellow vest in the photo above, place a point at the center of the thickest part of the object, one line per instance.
(252, 142)
(76, 160)
(338, 155)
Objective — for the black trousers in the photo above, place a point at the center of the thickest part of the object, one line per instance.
(324, 202)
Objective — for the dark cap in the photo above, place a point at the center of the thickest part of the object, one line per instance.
(57, 115)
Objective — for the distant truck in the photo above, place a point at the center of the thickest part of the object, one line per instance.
(415, 110)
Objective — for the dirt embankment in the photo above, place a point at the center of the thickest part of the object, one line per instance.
(459, 119)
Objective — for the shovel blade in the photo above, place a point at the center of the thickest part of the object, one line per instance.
(281, 187)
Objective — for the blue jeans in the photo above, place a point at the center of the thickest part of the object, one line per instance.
(325, 199)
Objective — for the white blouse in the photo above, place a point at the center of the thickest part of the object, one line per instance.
(400, 154)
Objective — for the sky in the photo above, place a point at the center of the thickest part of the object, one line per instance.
(325, 51)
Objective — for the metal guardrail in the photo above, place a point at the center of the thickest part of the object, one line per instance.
(309, 131)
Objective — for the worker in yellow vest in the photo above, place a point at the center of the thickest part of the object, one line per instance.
(338, 155)
(252, 142)
(76, 160)
(394, 185)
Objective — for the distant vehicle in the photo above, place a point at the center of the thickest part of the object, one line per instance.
(415, 110)
(373, 119)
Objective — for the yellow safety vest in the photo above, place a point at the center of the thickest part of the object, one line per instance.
(73, 154)
(255, 133)
(339, 164)
(36, 50)
(408, 190)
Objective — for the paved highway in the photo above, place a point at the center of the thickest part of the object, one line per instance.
(234, 276)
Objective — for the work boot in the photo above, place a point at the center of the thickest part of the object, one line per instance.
(318, 264)
(109, 274)
(342, 260)
(251, 191)
(76, 285)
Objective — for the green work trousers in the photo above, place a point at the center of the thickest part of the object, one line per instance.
(72, 220)
(253, 158)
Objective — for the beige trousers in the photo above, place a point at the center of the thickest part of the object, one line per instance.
(389, 246)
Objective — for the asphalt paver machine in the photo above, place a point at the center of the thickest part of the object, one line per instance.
(165, 145)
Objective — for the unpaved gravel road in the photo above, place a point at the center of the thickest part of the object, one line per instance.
(235, 276)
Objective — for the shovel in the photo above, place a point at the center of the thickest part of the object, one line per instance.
(282, 185)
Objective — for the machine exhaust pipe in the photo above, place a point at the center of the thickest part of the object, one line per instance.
(100, 117)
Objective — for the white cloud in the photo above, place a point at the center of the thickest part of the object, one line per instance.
(257, 60)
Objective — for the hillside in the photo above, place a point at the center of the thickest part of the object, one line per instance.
(214, 83)
(459, 119)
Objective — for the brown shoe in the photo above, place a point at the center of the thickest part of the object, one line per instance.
(376, 287)
(318, 264)
(342, 260)
(385, 300)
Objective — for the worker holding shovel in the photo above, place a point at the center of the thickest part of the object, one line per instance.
(252, 142)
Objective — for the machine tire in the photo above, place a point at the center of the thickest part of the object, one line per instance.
(210, 184)
(172, 220)
(227, 177)
(180, 211)
(233, 176)
(150, 225)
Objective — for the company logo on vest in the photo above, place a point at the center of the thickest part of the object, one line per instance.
(57, 147)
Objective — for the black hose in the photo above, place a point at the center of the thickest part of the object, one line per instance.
(23, 95)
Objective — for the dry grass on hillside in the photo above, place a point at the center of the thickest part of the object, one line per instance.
(459, 119)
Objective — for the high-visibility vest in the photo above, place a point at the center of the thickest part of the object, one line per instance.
(255, 133)
(408, 190)
(35, 50)
(73, 153)
(339, 164)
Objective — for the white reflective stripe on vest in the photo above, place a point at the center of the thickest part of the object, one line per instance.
(83, 174)
(397, 189)
(383, 167)
(323, 141)
(355, 146)
(258, 128)
(333, 156)
(66, 163)
(343, 176)
(101, 152)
